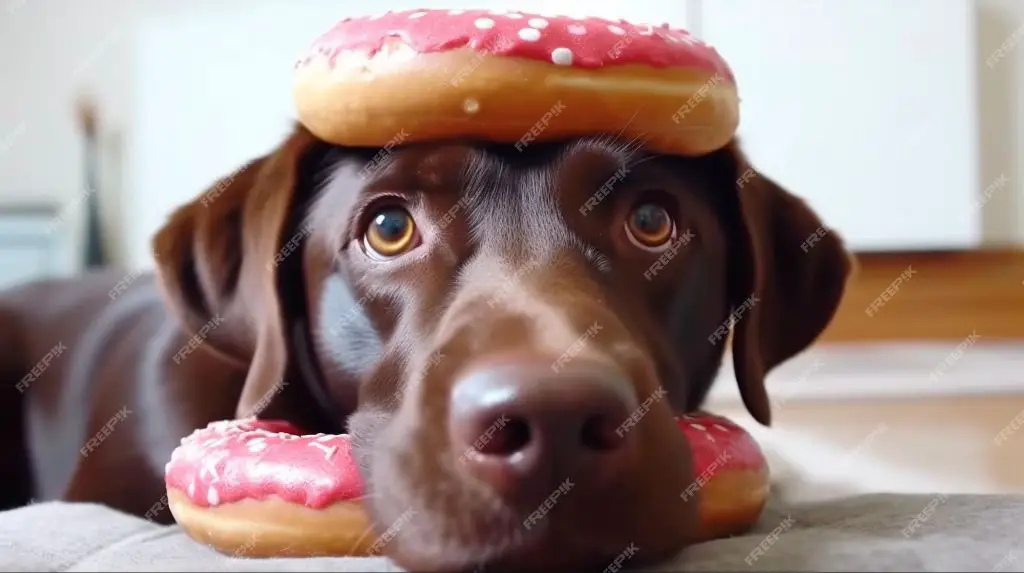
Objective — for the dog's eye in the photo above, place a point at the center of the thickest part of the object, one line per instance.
(390, 233)
(650, 226)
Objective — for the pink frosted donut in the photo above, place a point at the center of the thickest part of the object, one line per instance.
(513, 77)
(260, 488)
(731, 475)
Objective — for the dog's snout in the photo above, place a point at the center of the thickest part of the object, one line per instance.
(523, 427)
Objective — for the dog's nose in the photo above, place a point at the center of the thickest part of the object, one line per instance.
(524, 428)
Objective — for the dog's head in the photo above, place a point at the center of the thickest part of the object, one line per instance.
(507, 334)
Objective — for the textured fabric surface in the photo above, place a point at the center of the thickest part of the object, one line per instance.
(862, 533)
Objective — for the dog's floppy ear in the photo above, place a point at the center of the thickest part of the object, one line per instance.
(787, 278)
(213, 261)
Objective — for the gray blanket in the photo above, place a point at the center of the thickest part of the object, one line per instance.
(863, 533)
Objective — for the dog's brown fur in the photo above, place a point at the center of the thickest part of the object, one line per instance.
(292, 318)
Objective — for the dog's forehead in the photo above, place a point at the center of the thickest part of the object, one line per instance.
(453, 164)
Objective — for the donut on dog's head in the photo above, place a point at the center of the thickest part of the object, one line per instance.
(514, 77)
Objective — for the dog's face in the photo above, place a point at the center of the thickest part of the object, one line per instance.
(506, 334)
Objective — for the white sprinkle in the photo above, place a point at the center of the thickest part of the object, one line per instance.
(470, 106)
(616, 30)
(721, 427)
(415, 15)
(577, 30)
(484, 23)
(192, 488)
(328, 451)
(699, 427)
(514, 15)
(455, 12)
(646, 30)
(539, 23)
(561, 56)
(212, 496)
(325, 438)
(529, 34)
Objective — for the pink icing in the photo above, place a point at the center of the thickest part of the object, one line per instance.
(229, 461)
(561, 40)
(233, 460)
(719, 444)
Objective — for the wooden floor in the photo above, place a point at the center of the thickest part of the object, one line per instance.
(974, 444)
(933, 296)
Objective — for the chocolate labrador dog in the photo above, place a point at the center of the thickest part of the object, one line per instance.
(483, 320)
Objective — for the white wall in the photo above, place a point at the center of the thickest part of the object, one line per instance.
(51, 49)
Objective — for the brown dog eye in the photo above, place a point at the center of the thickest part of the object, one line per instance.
(391, 232)
(649, 225)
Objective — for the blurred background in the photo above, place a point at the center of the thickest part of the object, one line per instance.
(900, 122)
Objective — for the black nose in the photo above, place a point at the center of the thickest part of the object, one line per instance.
(524, 427)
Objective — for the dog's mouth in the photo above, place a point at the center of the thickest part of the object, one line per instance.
(439, 507)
